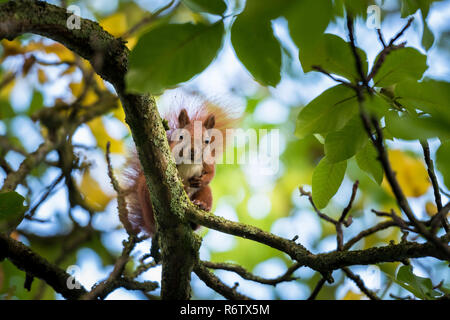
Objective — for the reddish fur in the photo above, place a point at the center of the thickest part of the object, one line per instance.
(140, 216)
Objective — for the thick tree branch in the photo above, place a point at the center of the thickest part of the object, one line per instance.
(324, 262)
(36, 266)
(108, 56)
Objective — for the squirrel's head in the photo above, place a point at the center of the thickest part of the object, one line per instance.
(191, 136)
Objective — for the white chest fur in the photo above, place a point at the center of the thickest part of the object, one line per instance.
(188, 171)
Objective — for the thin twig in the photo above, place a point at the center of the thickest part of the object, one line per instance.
(378, 142)
(368, 232)
(440, 217)
(381, 38)
(105, 287)
(319, 213)
(121, 202)
(387, 49)
(400, 33)
(399, 195)
(321, 70)
(350, 203)
(146, 20)
(48, 192)
(360, 283)
(287, 276)
(212, 281)
(317, 289)
(355, 52)
(434, 182)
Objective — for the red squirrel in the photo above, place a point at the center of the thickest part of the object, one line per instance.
(195, 174)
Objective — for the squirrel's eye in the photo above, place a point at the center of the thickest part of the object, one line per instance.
(181, 137)
(207, 141)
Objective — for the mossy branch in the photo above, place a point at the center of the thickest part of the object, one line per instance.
(173, 211)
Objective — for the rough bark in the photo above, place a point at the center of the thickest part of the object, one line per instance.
(108, 56)
(173, 210)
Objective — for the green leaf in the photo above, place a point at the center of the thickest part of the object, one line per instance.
(378, 104)
(307, 21)
(6, 111)
(400, 65)
(328, 112)
(334, 55)
(430, 96)
(427, 36)
(209, 6)
(343, 144)
(367, 160)
(37, 102)
(421, 287)
(257, 48)
(11, 209)
(409, 7)
(326, 180)
(357, 7)
(443, 161)
(266, 9)
(171, 54)
(400, 126)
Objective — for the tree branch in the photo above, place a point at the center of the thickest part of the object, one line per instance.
(212, 281)
(287, 276)
(36, 266)
(360, 283)
(108, 56)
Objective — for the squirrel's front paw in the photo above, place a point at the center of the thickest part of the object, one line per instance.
(195, 182)
(201, 204)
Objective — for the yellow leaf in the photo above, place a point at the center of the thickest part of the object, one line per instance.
(69, 70)
(6, 90)
(92, 193)
(353, 296)
(119, 113)
(12, 48)
(131, 42)
(42, 77)
(77, 89)
(430, 208)
(115, 24)
(409, 172)
(102, 136)
(99, 81)
(90, 97)
(61, 51)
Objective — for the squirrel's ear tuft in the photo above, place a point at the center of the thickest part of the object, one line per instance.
(210, 122)
(183, 119)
